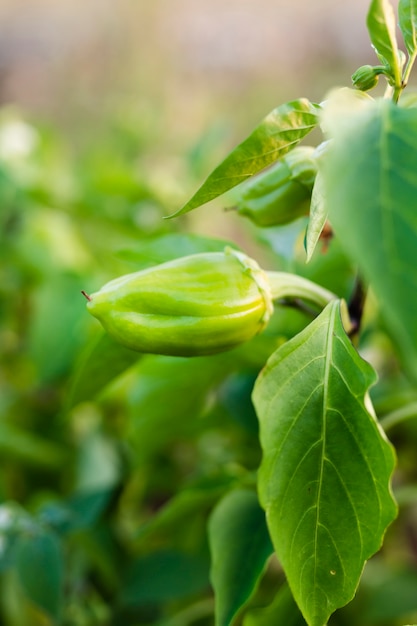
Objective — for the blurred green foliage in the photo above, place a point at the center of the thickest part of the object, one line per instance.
(111, 462)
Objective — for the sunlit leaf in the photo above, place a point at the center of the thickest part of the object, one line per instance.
(381, 24)
(240, 546)
(324, 477)
(278, 133)
(407, 12)
(318, 217)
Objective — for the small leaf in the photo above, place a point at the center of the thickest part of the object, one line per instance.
(326, 467)
(39, 569)
(240, 546)
(318, 216)
(382, 26)
(407, 11)
(277, 134)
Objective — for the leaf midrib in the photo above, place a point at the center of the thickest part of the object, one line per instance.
(327, 365)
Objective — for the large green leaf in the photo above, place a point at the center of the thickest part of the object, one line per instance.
(407, 11)
(382, 26)
(240, 546)
(371, 190)
(324, 477)
(278, 133)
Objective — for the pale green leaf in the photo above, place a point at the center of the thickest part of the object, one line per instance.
(382, 26)
(371, 190)
(277, 134)
(407, 12)
(240, 546)
(326, 467)
(318, 217)
(337, 111)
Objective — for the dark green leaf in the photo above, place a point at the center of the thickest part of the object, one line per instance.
(163, 576)
(283, 610)
(240, 546)
(382, 26)
(39, 569)
(179, 509)
(324, 477)
(278, 133)
(80, 511)
(29, 448)
(371, 188)
(407, 11)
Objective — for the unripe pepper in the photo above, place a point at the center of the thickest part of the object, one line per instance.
(195, 305)
(366, 77)
(282, 193)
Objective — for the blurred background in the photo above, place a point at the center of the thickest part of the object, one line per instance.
(185, 80)
(111, 115)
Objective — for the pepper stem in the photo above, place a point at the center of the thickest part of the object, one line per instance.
(285, 285)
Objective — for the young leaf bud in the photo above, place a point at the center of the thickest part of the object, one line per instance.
(282, 193)
(195, 305)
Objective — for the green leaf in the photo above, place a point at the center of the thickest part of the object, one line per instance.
(168, 247)
(283, 610)
(277, 134)
(185, 504)
(326, 467)
(163, 576)
(407, 12)
(382, 26)
(29, 448)
(39, 569)
(102, 361)
(151, 426)
(371, 189)
(318, 217)
(240, 546)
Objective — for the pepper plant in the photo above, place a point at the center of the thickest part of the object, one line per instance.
(226, 433)
(325, 477)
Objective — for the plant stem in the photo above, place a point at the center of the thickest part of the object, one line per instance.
(285, 285)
